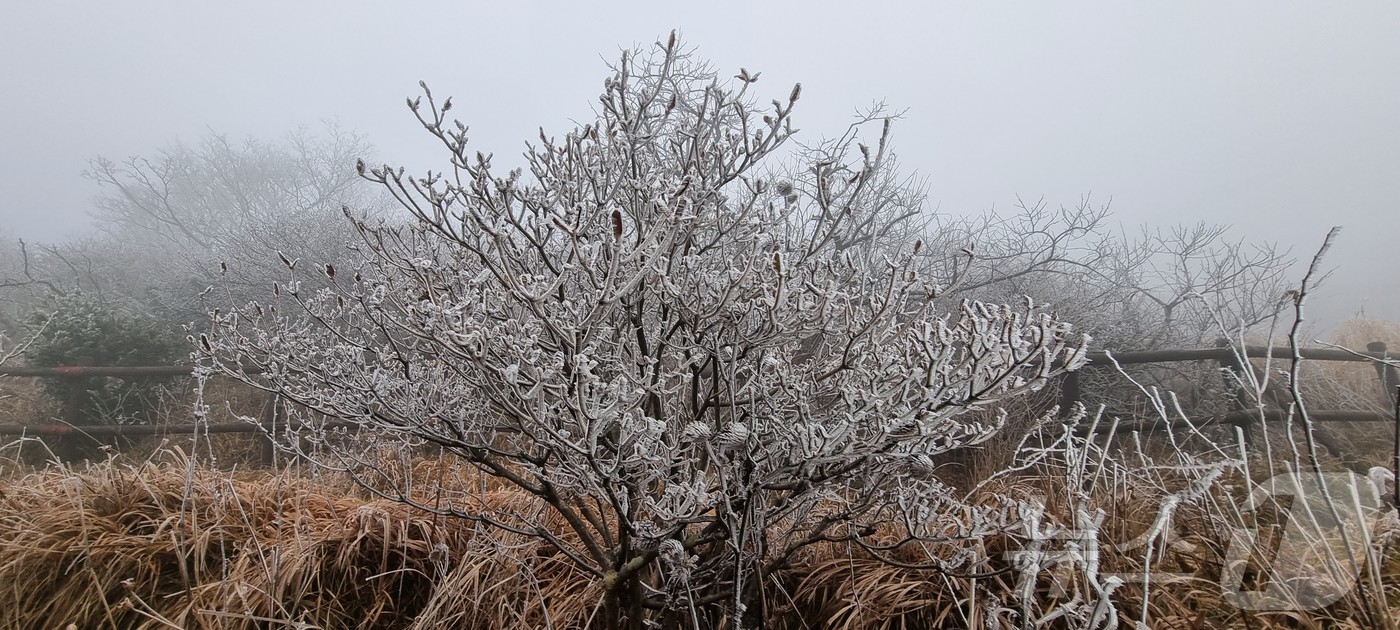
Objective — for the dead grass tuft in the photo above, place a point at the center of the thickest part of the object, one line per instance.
(168, 543)
(164, 544)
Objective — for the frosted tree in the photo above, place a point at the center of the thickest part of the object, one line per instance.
(692, 367)
(168, 220)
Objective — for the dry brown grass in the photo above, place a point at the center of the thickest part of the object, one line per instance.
(161, 543)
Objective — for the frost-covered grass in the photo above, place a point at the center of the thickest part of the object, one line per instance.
(171, 542)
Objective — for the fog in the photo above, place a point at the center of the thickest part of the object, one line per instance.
(1280, 120)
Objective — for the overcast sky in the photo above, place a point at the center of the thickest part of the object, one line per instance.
(1277, 118)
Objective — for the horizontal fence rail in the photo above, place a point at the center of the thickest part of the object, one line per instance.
(1231, 354)
(1096, 358)
(1237, 418)
(140, 430)
(93, 371)
(1228, 356)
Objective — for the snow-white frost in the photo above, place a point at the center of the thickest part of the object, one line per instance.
(683, 364)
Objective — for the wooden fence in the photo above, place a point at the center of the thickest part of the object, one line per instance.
(1228, 357)
(1234, 361)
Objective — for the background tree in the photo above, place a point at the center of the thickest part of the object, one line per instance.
(184, 217)
(82, 329)
(170, 227)
(1183, 286)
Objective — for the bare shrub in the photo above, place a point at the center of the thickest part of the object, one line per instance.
(693, 370)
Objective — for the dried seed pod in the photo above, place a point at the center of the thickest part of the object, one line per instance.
(672, 548)
(921, 464)
(734, 436)
(697, 430)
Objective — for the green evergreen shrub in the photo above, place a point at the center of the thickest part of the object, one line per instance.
(84, 330)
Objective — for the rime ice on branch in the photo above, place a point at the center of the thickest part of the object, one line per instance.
(696, 367)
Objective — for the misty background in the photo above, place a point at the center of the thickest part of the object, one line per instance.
(1280, 119)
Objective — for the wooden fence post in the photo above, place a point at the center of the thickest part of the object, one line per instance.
(1390, 379)
(1396, 471)
(268, 450)
(1232, 370)
(1069, 392)
(1389, 375)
